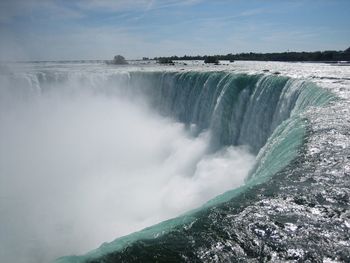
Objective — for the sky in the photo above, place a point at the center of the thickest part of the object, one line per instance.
(100, 29)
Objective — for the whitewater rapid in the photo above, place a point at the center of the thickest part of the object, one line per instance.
(116, 149)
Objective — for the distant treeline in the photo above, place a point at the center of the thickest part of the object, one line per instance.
(284, 56)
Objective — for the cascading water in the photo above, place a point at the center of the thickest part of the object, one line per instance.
(227, 117)
(239, 109)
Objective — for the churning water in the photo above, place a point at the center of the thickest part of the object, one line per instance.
(91, 152)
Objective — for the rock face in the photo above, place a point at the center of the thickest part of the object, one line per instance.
(118, 60)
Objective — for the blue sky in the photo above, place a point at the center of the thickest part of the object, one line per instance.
(99, 29)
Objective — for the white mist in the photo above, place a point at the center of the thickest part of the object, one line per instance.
(79, 169)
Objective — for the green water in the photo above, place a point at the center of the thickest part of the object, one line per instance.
(264, 112)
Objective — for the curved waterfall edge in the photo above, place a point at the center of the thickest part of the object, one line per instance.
(181, 96)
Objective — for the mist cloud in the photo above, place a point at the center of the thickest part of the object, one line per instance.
(79, 167)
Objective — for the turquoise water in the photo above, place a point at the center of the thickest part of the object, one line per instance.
(263, 112)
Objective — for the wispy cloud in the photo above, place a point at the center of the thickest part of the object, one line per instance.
(10, 10)
(54, 29)
(13, 9)
(135, 5)
(253, 12)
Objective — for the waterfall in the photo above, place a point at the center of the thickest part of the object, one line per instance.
(262, 112)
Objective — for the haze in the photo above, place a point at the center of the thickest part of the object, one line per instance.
(91, 29)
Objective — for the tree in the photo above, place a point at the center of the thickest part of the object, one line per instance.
(119, 60)
(211, 59)
(165, 61)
